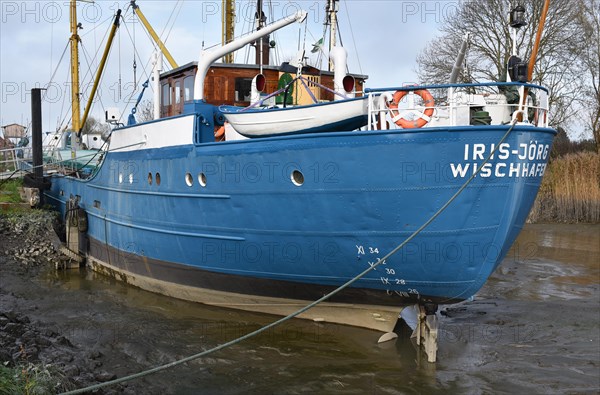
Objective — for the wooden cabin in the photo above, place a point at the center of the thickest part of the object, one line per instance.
(14, 130)
(230, 84)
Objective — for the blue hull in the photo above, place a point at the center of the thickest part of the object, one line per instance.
(252, 229)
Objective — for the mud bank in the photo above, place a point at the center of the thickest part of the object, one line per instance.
(532, 329)
(30, 341)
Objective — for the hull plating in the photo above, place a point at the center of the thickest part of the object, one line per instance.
(308, 213)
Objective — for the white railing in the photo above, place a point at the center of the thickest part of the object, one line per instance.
(459, 105)
(14, 160)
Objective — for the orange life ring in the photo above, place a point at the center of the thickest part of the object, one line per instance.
(424, 117)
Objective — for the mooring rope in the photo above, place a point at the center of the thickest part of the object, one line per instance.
(307, 307)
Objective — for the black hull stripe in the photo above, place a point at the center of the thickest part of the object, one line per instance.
(198, 278)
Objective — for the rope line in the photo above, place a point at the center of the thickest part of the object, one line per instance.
(307, 307)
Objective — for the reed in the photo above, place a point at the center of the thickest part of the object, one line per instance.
(28, 379)
(570, 191)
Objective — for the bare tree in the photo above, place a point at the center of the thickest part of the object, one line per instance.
(491, 46)
(588, 51)
(145, 111)
(92, 125)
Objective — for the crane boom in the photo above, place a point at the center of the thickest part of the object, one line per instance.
(153, 34)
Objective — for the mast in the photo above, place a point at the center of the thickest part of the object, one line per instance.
(532, 59)
(262, 44)
(228, 26)
(538, 38)
(332, 16)
(75, 111)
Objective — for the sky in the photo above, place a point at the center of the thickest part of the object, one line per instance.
(383, 39)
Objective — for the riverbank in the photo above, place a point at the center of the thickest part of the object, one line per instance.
(570, 190)
(36, 356)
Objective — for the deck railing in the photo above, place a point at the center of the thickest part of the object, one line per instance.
(14, 160)
(458, 105)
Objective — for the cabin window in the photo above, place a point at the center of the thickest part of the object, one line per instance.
(177, 93)
(166, 95)
(242, 89)
(188, 88)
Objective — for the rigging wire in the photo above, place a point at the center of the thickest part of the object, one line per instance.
(352, 35)
(50, 82)
(134, 53)
(89, 70)
(51, 59)
(64, 117)
(251, 22)
(133, 40)
(304, 39)
(55, 70)
(311, 305)
(68, 117)
(97, 26)
(145, 74)
(321, 53)
(86, 56)
(162, 33)
(180, 3)
(64, 123)
(120, 74)
(274, 35)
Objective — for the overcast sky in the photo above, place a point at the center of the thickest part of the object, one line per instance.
(383, 39)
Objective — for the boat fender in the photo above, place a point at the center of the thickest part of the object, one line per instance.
(424, 117)
(82, 220)
(220, 133)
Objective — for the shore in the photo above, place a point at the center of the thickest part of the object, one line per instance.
(570, 190)
(35, 355)
(532, 328)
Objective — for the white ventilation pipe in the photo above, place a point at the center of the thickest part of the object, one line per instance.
(339, 57)
(208, 57)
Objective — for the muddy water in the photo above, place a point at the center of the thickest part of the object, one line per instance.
(532, 329)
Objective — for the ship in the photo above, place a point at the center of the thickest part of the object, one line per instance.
(271, 218)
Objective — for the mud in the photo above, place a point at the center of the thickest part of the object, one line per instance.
(28, 333)
(532, 329)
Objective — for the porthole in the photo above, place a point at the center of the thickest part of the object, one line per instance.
(120, 178)
(157, 178)
(202, 179)
(149, 178)
(189, 180)
(131, 178)
(297, 178)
